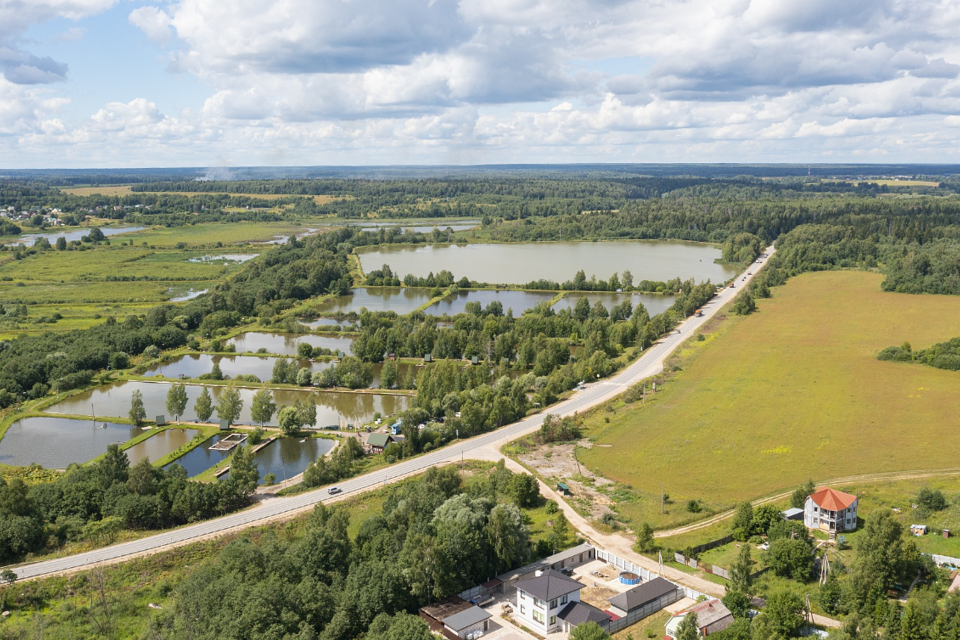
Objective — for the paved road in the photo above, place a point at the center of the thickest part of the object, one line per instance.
(649, 364)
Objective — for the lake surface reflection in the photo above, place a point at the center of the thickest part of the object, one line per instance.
(556, 261)
(114, 400)
(55, 443)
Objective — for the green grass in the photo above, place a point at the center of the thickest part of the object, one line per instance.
(209, 234)
(789, 393)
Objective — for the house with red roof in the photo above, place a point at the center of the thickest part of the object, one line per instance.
(830, 511)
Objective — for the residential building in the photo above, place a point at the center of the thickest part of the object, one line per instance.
(712, 616)
(542, 598)
(830, 511)
(377, 442)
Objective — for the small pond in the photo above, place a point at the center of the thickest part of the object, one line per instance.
(201, 458)
(195, 365)
(286, 344)
(189, 295)
(519, 301)
(55, 443)
(288, 457)
(160, 444)
(225, 257)
(114, 399)
(396, 299)
(31, 238)
(654, 304)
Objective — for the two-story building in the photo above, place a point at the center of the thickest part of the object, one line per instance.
(830, 511)
(549, 602)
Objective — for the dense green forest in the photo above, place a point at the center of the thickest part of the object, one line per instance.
(433, 538)
(96, 502)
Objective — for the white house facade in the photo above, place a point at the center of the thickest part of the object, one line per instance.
(830, 511)
(541, 598)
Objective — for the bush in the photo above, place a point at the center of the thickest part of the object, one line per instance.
(152, 351)
(931, 499)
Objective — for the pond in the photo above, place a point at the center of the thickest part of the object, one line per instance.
(55, 443)
(194, 365)
(519, 301)
(323, 322)
(557, 261)
(160, 444)
(225, 257)
(201, 458)
(31, 239)
(288, 457)
(654, 304)
(455, 225)
(114, 399)
(286, 344)
(396, 299)
(189, 295)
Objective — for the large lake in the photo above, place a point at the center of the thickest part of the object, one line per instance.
(556, 261)
(114, 400)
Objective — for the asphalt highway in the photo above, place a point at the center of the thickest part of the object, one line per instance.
(649, 364)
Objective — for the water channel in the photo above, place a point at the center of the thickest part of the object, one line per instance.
(557, 261)
(55, 443)
(114, 399)
(286, 344)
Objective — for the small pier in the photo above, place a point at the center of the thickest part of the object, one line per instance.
(229, 442)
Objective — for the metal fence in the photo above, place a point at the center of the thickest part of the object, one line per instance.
(648, 609)
(626, 565)
(945, 560)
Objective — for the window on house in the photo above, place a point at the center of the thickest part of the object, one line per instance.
(553, 620)
(553, 604)
(563, 599)
(523, 609)
(538, 616)
(537, 602)
(523, 596)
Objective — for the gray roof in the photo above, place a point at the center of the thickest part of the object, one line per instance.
(642, 594)
(466, 618)
(549, 585)
(547, 562)
(577, 613)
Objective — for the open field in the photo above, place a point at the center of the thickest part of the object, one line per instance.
(892, 183)
(72, 266)
(209, 234)
(789, 393)
(125, 190)
(120, 190)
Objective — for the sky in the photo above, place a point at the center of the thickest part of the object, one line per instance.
(220, 83)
